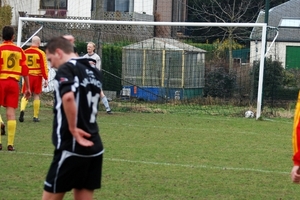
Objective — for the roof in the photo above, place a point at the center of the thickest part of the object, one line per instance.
(289, 9)
(164, 43)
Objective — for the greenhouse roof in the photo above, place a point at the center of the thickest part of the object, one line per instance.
(164, 44)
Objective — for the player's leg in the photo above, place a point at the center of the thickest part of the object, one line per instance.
(11, 103)
(36, 107)
(0, 136)
(2, 124)
(83, 194)
(1, 103)
(36, 90)
(52, 196)
(105, 103)
(11, 127)
(23, 105)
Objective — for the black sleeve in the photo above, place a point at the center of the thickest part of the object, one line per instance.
(65, 78)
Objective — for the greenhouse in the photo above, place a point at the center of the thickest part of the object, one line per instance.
(161, 68)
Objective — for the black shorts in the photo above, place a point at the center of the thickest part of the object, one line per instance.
(69, 170)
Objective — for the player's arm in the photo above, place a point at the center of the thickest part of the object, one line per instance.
(25, 72)
(44, 65)
(70, 109)
(44, 68)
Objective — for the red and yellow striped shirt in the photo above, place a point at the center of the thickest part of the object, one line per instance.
(36, 62)
(12, 61)
(296, 133)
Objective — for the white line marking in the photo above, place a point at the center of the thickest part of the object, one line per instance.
(169, 164)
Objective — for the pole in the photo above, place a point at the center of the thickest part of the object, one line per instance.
(267, 8)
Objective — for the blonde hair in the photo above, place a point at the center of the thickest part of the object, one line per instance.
(92, 43)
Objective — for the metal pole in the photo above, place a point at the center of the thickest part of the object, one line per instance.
(267, 8)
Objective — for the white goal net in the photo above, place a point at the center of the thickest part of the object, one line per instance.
(159, 62)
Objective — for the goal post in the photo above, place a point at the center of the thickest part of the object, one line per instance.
(163, 56)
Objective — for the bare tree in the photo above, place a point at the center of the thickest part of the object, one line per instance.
(230, 11)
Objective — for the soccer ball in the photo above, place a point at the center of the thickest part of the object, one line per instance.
(249, 114)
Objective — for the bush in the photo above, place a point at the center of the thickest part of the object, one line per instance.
(273, 77)
(5, 16)
(219, 83)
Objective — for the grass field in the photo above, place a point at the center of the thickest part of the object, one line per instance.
(164, 156)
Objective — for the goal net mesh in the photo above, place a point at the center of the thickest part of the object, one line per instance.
(160, 68)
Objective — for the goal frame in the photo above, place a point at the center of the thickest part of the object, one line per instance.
(194, 24)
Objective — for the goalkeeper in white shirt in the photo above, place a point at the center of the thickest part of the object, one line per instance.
(97, 63)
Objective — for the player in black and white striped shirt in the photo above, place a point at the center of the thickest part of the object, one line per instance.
(77, 162)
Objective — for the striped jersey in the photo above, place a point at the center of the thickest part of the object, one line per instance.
(78, 76)
(36, 62)
(12, 61)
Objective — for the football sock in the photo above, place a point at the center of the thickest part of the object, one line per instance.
(11, 131)
(1, 121)
(36, 108)
(105, 102)
(24, 102)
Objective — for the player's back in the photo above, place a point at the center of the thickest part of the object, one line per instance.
(85, 82)
(12, 60)
(36, 60)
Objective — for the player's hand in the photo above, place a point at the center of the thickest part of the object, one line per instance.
(80, 136)
(45, 83)
(92, 63)
(27, 94)
(295, 174)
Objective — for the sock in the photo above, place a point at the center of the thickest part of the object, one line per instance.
(23, 103)
(36, 108)
(105, 103)
(11, 131)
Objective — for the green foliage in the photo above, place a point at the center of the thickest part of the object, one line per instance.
(81, 47)
(222, 47)
(5, 16)
(219, 83)
(285, 93)
(273, 77)
(204, 46)
(292, 78)
(112, 62)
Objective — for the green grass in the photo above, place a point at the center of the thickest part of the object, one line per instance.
(164, 156)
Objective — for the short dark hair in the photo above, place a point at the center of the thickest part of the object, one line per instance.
(8, 32)
(59, 43)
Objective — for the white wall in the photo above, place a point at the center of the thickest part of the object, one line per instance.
(277, 51)
(143, 6)
(80, 8)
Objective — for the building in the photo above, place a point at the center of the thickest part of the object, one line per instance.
(286, 46)
(160, 68)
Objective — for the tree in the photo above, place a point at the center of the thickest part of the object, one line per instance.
(230, 11)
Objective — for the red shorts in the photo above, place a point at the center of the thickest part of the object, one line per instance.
(35, 83)
(9, 93)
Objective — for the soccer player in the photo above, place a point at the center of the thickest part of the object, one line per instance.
(12, 67)
(78, 155)
(38, 69)
(295, 173)
(91, 54)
